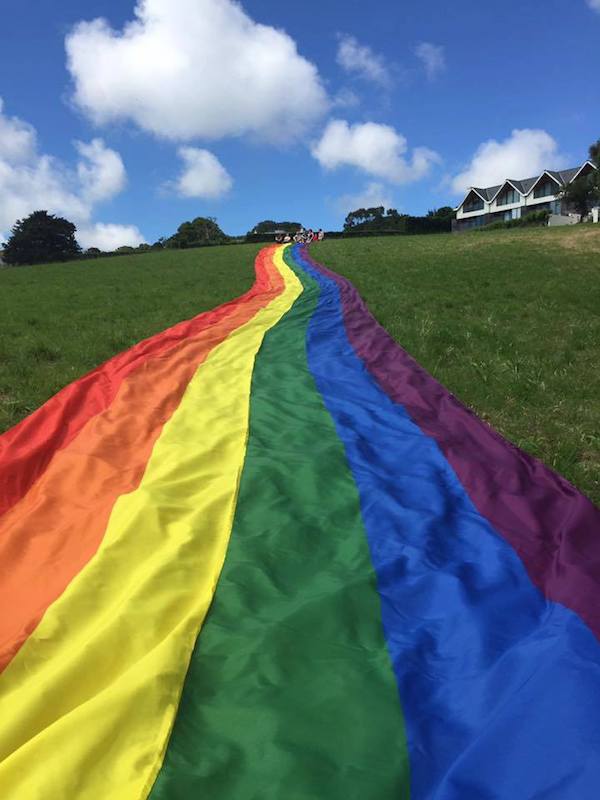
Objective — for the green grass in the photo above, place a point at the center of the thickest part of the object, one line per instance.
(509, 321)
(59, 321)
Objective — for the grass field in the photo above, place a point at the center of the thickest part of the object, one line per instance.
(509, 321)
(58, 322)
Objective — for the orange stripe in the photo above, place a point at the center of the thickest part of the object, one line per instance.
(57, 527)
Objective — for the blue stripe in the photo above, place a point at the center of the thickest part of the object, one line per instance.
(500, 688)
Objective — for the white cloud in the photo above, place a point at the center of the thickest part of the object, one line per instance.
(373, 195)
(373, 148)
(185, 69)
(30, 180)
(108, 236)
(433, 58)
(345, 98)
(17, 138)
(362, 61)
(523, 154)
(101, 172)
(203, 174)
(594, 5)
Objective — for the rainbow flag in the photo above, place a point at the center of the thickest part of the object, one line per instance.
(265, 555)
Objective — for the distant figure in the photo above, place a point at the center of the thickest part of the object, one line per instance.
(287, 238)
(320, 235)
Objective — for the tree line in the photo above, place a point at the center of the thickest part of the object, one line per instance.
(46, 238)
(43, 238)
(378, 219)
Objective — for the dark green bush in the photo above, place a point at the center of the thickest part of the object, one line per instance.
(534, 219)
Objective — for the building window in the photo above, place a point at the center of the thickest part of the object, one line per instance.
(507, 197)
(473, 203)
(545, 189)
(475, 222)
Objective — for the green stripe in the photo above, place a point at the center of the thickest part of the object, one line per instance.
(290, 692)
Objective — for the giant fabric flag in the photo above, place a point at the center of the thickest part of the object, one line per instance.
(265, 555)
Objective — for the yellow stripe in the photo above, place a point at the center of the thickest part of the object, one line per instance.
(88, 703)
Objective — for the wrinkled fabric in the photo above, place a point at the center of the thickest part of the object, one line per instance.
(56, 527)
(89, 700)
(500, 687)
(265, 555)
(290, 691)
(27, 448)
(553, 527)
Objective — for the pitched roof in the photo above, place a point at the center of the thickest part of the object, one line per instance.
(525, 185)
(567, 175)
(517, 184)
(488, 193)
(528, 183)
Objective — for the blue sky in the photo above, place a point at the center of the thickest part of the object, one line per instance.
(280, 110)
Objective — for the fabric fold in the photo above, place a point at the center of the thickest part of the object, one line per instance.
(89, 699)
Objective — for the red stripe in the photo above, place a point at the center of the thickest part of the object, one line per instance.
(57, 527)
(27, 449)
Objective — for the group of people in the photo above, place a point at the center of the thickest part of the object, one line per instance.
(302, 236)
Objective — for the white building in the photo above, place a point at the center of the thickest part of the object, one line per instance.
(516, 198)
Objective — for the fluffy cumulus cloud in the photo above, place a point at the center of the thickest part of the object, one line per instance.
(523, 154)
(17, 138)
(432, 57)
(360, 60)
(203, 175)
(373, 195)
(101, 171)
(30, 180)
(108, 236)
(376, 149)
(186, 69)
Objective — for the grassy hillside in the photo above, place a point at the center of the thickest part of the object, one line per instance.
(509, 321)
(57, 322)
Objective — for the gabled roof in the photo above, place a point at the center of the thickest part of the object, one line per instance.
(479, 192)
(490, 192)
(528, 183)
(525, 185)
(582, 167)
(511, 182)
(556, 176)
(483, 193)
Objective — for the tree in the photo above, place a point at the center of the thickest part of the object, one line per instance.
(269, 225)
(584, 192)
(202, 230)
(41, 238)
(93, 251)
(365, 218)
(445, 212)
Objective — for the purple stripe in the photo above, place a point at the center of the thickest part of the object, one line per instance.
(554, 528)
